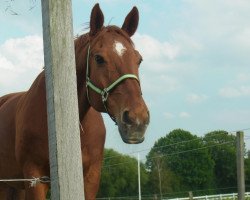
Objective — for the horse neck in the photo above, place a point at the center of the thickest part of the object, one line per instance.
(80, 57)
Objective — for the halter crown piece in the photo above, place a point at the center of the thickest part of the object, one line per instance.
(105, 91)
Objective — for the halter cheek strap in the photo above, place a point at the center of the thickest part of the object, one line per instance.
(105, 91)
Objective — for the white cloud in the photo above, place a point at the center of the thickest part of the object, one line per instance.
(232, 92)
(196, 98)
(243, 77)
(222, 26)
(22, 54)
(153, 48)
(161, 63)
(155, 53)
(184, 115)
(21, 59)
(186, 43)
(5, 63)
(159, 84)
(168, 115)
(237, 118)
(242, 38)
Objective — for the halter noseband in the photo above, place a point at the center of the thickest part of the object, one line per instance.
(105, 91)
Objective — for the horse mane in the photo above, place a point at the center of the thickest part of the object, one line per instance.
(3, 99)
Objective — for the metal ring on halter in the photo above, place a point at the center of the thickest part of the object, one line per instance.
(105, 95)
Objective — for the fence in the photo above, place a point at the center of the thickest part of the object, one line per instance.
(214, 197)
(231, 196)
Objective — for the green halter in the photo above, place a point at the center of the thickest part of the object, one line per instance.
(105, 91)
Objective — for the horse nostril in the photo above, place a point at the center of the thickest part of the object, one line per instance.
(148, 117)
(125, 118)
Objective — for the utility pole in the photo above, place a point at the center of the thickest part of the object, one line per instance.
(159, 175)
(139, 177)
(240, 165)
(62, 106)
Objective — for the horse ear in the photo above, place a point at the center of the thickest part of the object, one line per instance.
(131, 22)
(96, 20)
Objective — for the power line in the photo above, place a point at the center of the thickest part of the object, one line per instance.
(244, 129)
(190, 150)
(180, 152)
(246, 138)
(168, 145)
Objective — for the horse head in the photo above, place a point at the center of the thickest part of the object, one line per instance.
(112, 75)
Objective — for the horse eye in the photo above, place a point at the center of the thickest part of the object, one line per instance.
(99, 59)
(140, 61)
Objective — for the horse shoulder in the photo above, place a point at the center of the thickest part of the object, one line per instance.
(9, 167)
(31, 123)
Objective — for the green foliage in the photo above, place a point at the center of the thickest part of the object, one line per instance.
(190, 169)
(170, 182)
(247, 170)
(179, 162)
(223, 153)
(119, 175)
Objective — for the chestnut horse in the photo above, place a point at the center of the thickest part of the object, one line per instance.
(107, 80)
(92, 157)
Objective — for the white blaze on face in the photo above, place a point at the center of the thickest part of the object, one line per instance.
(119, 48)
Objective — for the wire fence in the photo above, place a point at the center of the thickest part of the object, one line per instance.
(171, 195)
(110, 162)
(230, 196)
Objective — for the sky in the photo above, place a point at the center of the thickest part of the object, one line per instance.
(195, 73)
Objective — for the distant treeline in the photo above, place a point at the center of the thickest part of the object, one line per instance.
(177, 163)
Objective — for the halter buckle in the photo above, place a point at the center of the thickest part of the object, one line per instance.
(105, 95)
(87, 80)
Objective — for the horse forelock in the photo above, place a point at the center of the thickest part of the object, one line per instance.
(116, 30)
(83, 40)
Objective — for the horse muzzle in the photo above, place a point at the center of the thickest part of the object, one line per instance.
(131, 134)
(132, 131)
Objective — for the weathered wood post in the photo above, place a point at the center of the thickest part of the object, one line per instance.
(190, 193)
(62, 106)
(240, 165)
(139, 176)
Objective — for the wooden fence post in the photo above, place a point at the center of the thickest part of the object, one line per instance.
(240, 165)
(190, 193)
(62, 106)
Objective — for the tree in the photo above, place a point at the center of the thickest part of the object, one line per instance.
(247, 170)
(186, 157)
(120, 175)
(161, 179)
(12, 5)
(222, 147)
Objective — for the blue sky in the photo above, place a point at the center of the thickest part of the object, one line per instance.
(196, 69)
